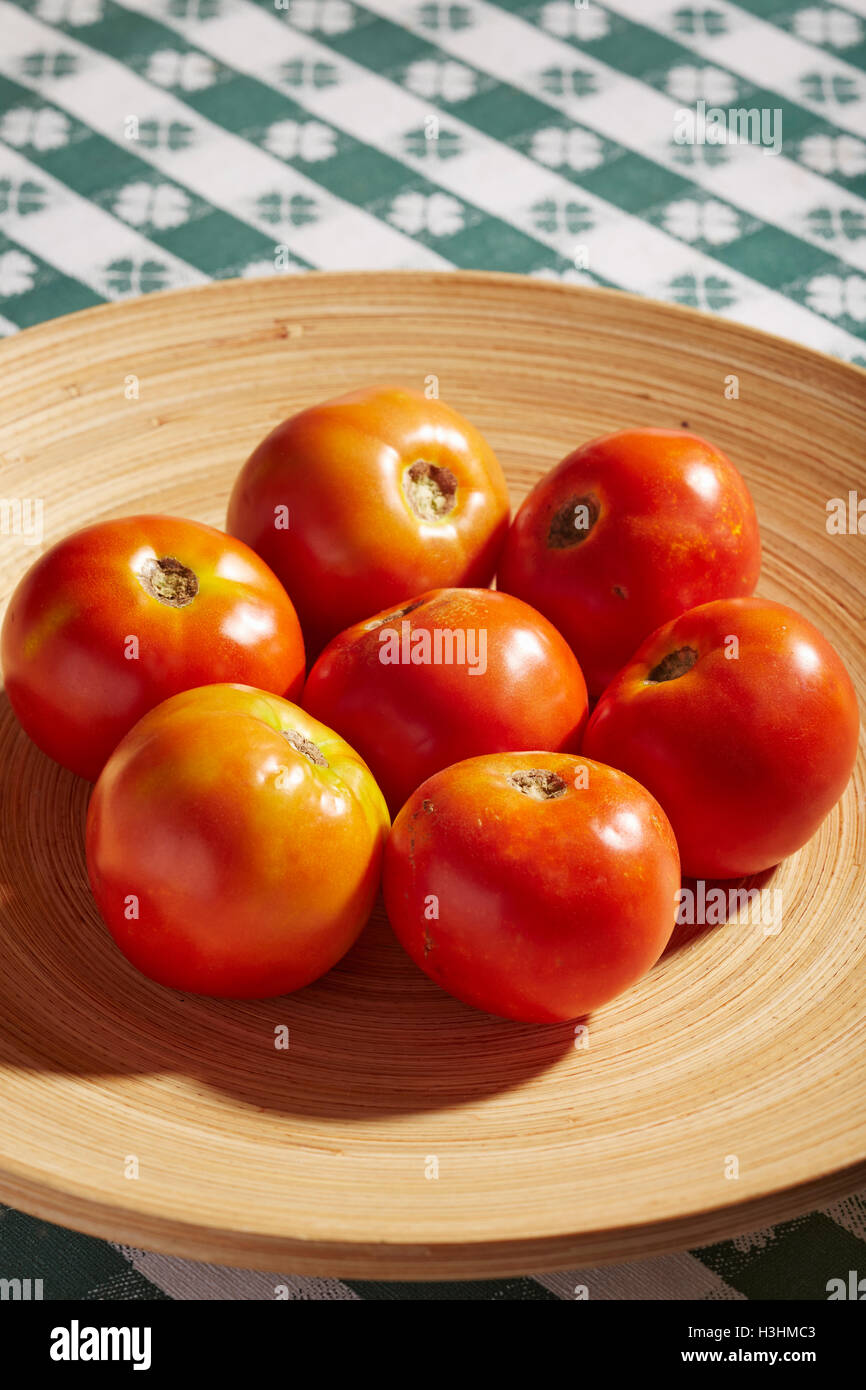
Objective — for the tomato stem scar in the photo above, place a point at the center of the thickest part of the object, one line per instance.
(539, 783)
(674, 665)
(392, 617)
(306, 746)
(572, 522)
(431, 490)
(168, 581)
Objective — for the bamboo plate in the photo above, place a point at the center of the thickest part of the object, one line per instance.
(740, 1053)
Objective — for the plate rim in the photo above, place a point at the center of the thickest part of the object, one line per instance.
(601, 293)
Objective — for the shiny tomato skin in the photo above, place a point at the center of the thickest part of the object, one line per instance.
(408, 720)
(67, 643)
(747, 753)
(354, 542)
(669, 524)
(251, 869)
(535, 910)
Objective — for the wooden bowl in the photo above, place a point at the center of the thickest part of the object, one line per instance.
(402, 1135)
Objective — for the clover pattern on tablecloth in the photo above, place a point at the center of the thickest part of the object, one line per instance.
(45, 64)
(157, 133)
(699, 21)
(427, 214)
(73, 14)
(17, 273)
(152, 206)
(22, 197)
(836, 224)
(566, 20)
(185, 71)
(832, 154)
(567, 147)
(440, 79)
(436, 16)
(128, 275)
(320, 16)
(689, 83)
(827, 26)
(39, 128)
(556, 216)
(710, 292)
(309, 141)
(309, 72)
(195, 9)
(831, 88)
(701, 220)
(838, 297)
(287, 209)
(432, 143)
(573, 81)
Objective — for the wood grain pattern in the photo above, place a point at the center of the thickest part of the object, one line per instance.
(312, 1160)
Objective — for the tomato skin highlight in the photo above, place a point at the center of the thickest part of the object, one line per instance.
(409, 720)
(747, 754)
(668, 524)
(354, 542)
(545, 909)
(248, 868)
(67, 637)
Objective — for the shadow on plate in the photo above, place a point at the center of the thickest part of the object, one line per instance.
(374, 1036)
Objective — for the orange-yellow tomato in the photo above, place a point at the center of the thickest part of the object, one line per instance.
(361, 501)
(234, 844)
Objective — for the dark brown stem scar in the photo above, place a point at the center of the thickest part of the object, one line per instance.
(572, 522)
(306, 746)
(392, 617)
(673, 665)
(168, 581)
(431, 490)
(538, 783)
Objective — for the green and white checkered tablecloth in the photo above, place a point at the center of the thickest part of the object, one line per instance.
(150, 144)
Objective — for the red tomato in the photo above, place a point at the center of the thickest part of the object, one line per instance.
(115, 618)
(742, 720)
(234, 844)
(536, 886)
(449, 674)
(362, 500)
(627, 532)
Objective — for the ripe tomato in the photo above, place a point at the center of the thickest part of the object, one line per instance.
(234, 844)
(362, 500)
(452, 673)
(532, 885)
(627, 532)
(742, 720)
(118, 616)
